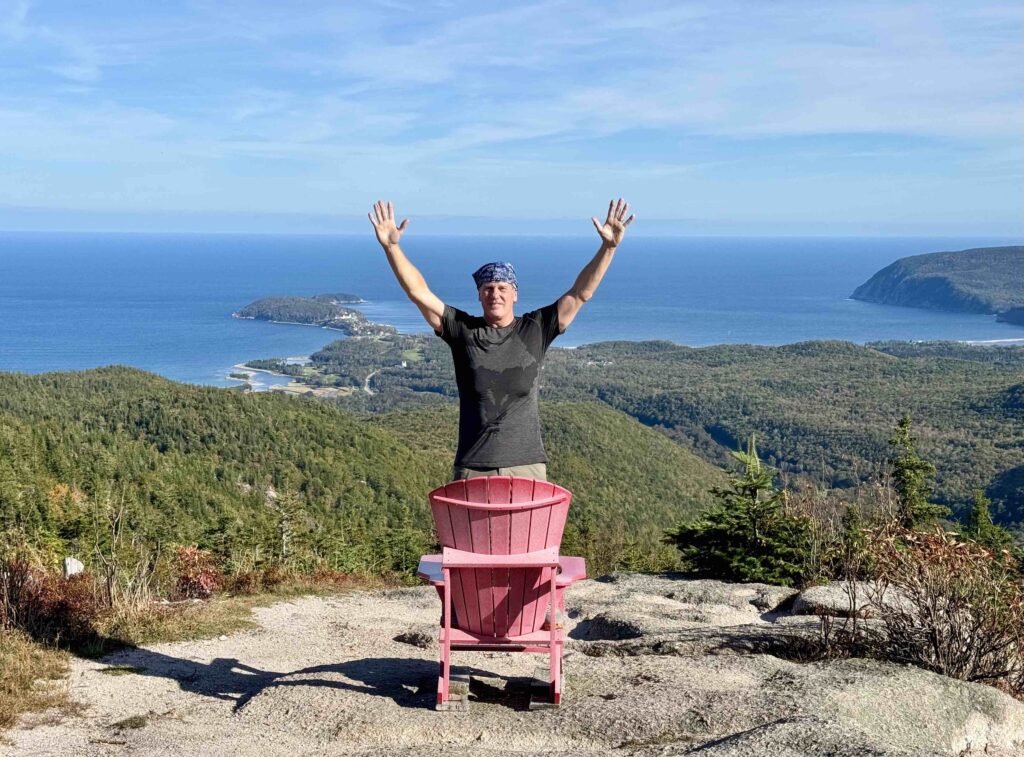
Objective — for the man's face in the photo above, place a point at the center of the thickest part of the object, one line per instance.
(497, 299)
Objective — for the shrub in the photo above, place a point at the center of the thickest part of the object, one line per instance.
(937, 602)
(198, 575)
(47, 606)
(249, 582)
(958, 608)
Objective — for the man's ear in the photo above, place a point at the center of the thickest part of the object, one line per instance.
(515, 295)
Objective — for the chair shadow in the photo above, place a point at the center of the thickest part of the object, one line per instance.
(409, 682)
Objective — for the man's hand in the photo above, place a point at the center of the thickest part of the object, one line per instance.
(614, 227)
(383, 220)
(411, 280)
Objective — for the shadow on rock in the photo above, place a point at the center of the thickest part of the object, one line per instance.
(409, 682)
(604, 628)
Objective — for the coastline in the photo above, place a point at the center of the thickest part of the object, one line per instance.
(983, 342)
(293, 387)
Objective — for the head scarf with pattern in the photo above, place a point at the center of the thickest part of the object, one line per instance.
(498, 271)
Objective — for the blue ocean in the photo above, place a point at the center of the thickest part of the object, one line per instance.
(163, 302)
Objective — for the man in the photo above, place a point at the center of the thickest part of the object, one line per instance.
(498, 356)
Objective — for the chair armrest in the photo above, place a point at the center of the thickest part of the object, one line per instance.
(430, 569)
(542, 558)
(571, 570)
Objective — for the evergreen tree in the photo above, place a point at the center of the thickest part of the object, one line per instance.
(748, 535)
(912, 477)
(981, 529)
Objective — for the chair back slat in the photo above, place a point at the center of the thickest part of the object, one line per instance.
(507, 601)
(476, 489)
(522, 489)
(480, 542)
(501, 544)
(499, 490)
(456, 489)
(556, 523)
(543, 489)
(519, 543)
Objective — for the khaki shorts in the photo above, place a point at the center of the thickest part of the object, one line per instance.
(538, 471)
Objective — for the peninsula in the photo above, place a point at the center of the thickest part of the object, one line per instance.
(325, 310)
(979, 280)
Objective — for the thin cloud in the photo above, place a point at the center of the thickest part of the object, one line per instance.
(668, 92)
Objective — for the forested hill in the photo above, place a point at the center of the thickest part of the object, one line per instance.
(229, 470)
(980, 280)
(822, 411)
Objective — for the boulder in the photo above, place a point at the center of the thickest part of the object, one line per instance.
(835, 599)
(72, 567)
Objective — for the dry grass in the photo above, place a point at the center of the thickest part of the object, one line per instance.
(31, 677)
(222, 614)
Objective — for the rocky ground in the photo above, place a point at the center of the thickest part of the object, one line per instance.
(656, 666)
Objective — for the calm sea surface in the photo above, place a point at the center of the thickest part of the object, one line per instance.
(163, 302)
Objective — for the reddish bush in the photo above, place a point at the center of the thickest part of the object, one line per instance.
(45, 605)
(198, 575)
(959, 608)
(274, 575)
(250, 582)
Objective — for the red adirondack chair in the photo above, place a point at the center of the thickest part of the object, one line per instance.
(501, 576)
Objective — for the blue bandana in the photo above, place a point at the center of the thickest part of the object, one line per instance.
(498, 271)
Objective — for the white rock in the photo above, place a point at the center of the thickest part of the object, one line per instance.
(72, 567)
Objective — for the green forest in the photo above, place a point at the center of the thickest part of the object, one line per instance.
(262, 478)
(641, 432)
(822, 411)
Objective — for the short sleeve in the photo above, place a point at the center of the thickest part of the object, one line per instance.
(451, 324)
(549, 323)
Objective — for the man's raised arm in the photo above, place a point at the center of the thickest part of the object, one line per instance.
(611, 231)
(412, 281)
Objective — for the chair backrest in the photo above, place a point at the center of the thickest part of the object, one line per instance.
(500, 515)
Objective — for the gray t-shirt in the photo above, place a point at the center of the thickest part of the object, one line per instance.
(498, 374)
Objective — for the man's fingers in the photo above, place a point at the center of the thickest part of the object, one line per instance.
(379, 211)
(401, 226)
(597, 224)
(391, 211)
(370, 216)
(611, 209)
(623, 210)
(629, 220)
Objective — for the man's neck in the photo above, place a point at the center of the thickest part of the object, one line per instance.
(497, 324)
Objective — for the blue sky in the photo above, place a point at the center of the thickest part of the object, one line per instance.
(710, 117)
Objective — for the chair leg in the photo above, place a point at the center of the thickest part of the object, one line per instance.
(556, 673)
(555, 645)
(444, 679)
